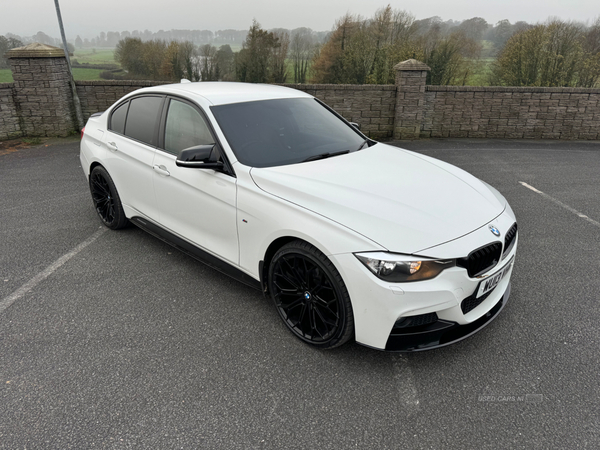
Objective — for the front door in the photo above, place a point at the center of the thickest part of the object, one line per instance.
(196, 204)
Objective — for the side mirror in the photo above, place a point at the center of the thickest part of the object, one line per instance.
(355, 125)
(200, 157)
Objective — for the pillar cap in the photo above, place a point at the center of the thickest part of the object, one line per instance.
(411, 64)
(36, 50)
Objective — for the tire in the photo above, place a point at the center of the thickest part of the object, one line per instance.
(310, 295)
(107, 202)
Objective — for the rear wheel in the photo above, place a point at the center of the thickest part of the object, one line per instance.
(106, 199)
(310, 295)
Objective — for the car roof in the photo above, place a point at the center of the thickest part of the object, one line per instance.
(221, 92)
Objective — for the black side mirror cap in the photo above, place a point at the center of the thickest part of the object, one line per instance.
(200, 157)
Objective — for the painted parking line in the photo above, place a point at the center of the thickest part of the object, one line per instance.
(16, 295)
(561, 204)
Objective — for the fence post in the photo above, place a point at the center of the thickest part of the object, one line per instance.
(42, 91)
(411, 76)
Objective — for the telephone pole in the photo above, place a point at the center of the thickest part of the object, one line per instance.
(76, 102)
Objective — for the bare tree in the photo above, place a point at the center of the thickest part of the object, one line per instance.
(208, 62)
(302, 48)
(279, 54)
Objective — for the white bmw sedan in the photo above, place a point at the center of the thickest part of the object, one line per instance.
(350, 238)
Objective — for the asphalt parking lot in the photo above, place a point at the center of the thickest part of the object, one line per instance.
(115, 340)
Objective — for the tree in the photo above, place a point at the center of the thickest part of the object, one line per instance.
(208, 64)
(330, 64)
(225, 63)
(254, 63)
(366, 50)
(589, 71)
(78, 42)
(474, 28)
(6, 44)
(112, 38)
(128, 53)
(189, 60)
(43, 38)
(279, 57)
(451, 58)
(302, 47)
(550, 54)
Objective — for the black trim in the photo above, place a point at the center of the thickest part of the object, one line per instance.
(113, 109)
(156, 125)
(509, 240)
(263, 282)
(228, 168)
(441, 333)
(482, 260)
(195, 252)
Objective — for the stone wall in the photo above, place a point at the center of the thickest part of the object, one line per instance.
(511, 112)
(371, 106)
(42, 95)
(40, 103)
(97, 96)
(10, 128)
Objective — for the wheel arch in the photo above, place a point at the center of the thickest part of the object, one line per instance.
(93, 165)
(264, 264)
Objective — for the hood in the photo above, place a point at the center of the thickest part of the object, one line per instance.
(401, 200)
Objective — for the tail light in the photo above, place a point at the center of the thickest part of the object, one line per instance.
(82, 131)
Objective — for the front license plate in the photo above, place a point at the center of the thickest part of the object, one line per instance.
(491, 282)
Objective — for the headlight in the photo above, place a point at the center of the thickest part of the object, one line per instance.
(403, 268)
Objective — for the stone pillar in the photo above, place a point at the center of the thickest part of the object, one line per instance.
(411, 76)
(42, 91)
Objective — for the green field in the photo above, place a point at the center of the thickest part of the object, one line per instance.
(87, 74)
(482, 72)
(78, 74)
(95, 56)
(6, 76)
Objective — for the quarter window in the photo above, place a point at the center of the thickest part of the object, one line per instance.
(117, 120)
(185, 128)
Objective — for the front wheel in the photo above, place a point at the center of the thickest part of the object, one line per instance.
(106, 199)
(311, 296)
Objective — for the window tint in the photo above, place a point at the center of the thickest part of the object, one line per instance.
(185, 128)
(270, 133)
(142, 119)
(117, 120)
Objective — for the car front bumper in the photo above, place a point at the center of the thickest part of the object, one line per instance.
(426, 314)
(440, 333)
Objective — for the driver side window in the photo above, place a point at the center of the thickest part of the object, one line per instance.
(185, 128)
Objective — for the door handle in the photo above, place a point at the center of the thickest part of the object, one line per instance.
(162, 170)
(112, 146)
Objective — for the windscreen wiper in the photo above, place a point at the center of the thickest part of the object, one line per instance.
(362, 145)
(326, 155)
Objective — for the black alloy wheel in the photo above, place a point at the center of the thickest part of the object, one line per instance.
(310, 295)
(106, 199)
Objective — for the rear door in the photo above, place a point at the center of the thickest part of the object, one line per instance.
(131, 141)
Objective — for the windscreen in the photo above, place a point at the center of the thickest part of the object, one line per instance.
(270, 133)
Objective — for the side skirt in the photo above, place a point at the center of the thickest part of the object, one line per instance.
(195, 252)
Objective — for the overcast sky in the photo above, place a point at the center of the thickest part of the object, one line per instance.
(87, 18)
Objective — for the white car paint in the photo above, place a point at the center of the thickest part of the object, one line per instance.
(379, 199)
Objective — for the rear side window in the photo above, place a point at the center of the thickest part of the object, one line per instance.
(142, 119)
(117, 120)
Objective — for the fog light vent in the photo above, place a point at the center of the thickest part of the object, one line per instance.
(415, 321)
